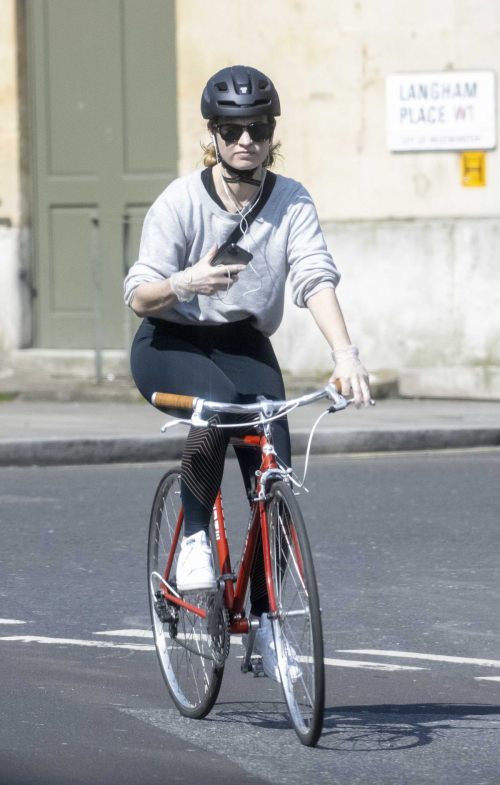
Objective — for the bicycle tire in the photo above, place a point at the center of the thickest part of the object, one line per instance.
(297, 627)
(185, 650)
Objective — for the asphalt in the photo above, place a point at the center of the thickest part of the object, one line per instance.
(64, 433)
(406, 558)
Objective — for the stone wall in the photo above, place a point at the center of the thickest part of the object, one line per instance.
(417, 294)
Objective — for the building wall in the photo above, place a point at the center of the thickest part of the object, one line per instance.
(419, 252)
(329, 59)
(10, 189)
(416, 293)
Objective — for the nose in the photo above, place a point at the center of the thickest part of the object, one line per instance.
(245, 138)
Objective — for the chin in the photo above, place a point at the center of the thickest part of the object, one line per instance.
(245, 163)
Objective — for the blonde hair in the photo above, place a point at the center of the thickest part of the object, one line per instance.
(210, 156)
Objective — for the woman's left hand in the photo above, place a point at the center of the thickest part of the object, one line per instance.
(352, 374)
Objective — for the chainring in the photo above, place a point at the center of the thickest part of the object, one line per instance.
(220, 636)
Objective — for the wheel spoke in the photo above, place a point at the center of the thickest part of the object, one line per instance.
(184, 648)
(299, 649)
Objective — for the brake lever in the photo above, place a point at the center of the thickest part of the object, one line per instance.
(174, 422)
(345, 403)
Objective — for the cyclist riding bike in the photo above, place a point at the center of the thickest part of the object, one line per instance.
(217, 247)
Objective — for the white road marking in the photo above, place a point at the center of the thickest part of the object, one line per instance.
(76, 642)
(376, 666)
(337, 663)
(486, 678)
(12, 621)
(235, 639)
(418, 656)
(127, 633)
(379, 666)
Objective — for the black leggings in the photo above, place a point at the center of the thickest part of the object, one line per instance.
(233, 363)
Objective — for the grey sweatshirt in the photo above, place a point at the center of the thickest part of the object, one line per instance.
(185, 223)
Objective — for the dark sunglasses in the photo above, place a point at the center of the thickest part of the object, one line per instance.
(259, 132)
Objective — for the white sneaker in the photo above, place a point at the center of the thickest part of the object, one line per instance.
(195, 569)
(265, 648)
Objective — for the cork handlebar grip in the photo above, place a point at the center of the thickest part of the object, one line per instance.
(169, 401)
(338, 384)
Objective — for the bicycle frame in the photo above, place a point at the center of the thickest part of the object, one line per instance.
(234, 596)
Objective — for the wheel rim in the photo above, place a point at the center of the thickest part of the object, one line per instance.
(184, 649)
(293, 633)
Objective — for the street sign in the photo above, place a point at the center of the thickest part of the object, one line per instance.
(474, 169)
(448, 110)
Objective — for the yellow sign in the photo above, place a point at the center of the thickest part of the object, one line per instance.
(474, 169)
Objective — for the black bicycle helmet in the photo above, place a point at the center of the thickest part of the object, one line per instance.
(239, 91)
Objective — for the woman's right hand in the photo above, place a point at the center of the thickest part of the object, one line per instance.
(205, 278)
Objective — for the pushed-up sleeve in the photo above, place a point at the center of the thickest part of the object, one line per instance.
(311, 265)
(162, 250)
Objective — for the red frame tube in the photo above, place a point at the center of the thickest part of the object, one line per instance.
(187, 605)
(223, 551)
(246, 560)
(235, 597)
(177, 532)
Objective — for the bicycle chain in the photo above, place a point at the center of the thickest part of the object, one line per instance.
(220, 650)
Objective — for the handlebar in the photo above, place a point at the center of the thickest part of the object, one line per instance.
(268, 407)
(168, 400)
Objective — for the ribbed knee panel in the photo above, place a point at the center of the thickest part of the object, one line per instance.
(203, 462)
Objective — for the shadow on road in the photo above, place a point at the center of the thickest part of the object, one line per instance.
(368, 728)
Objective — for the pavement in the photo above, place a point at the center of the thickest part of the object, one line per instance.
(63, 433)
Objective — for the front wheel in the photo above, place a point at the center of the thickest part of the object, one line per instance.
(297, 627)
(191, 656)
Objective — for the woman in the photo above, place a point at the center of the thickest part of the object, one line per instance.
(206, 327)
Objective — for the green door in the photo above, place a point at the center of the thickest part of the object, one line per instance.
(104, 143)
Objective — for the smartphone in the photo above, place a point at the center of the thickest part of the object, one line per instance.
(233, 254)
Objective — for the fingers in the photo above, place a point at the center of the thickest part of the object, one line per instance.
(365, 390)
(234, 269)
(356, 392)
(221, 279)
(360, 391)
(210, 255)
(346, 386)
(359, 387)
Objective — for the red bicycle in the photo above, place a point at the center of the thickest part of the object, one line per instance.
(192, 633)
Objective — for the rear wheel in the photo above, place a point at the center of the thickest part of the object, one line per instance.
(297, 627)
(191, 657)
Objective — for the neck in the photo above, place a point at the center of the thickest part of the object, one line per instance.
(241, 192)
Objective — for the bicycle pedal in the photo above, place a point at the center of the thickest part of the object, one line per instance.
(257, 668)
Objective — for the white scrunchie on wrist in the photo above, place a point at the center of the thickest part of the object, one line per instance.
(181, 286)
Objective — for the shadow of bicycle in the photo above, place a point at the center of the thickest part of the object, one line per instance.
(389, 727)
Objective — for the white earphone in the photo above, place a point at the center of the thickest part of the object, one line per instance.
(243, 223)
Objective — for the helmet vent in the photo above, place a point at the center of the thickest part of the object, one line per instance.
(222, 87)
(263, 84)
(262, 102)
